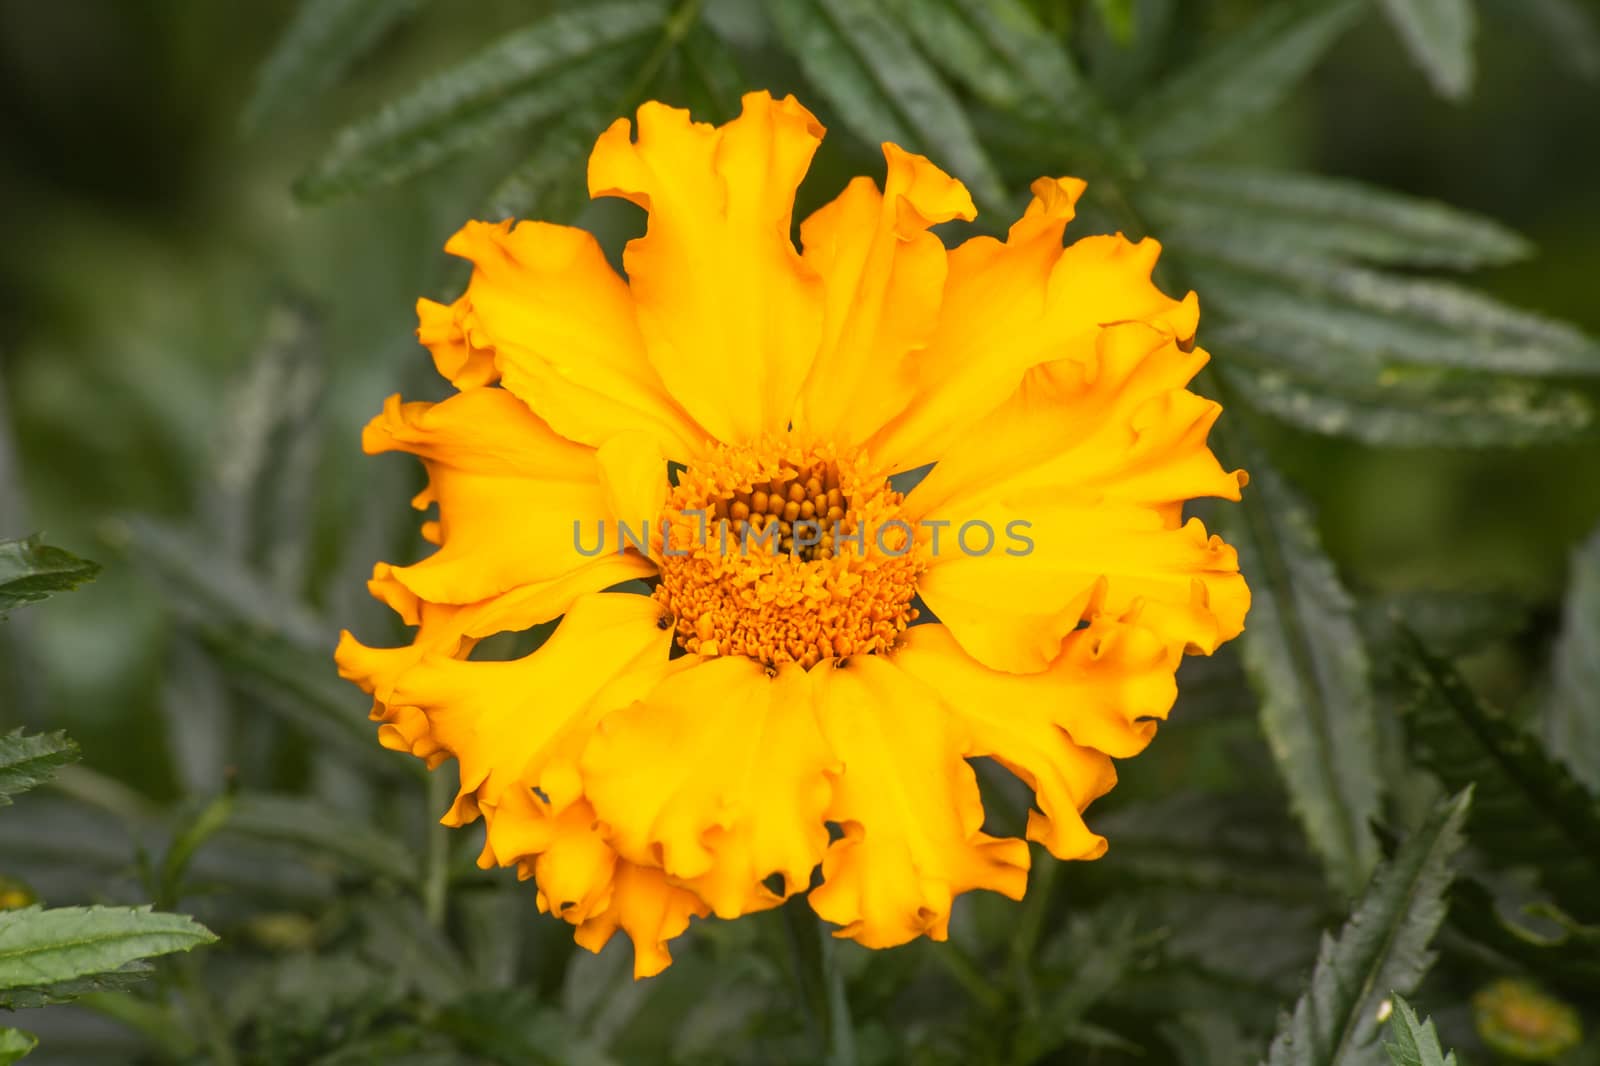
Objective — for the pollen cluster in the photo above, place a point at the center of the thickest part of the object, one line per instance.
(786, 552)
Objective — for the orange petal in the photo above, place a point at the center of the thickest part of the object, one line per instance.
(650, 909)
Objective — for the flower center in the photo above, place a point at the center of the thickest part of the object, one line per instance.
(786, 552)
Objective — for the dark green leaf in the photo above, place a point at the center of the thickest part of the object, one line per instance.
(550, 185)
(861, 62)
(1238, 75)
(1382, 948)
(1530, 810)
(1438, 34)
(15, 1044)
(999, 51)
(1570, 718)
(1412, 1041)
(1455, 621)
(1419, 408)
(1284, 213)
(47, 954)
(1570, 29)
(1562, 953)
(31, 571)
(1290, 301)
(1118, 17)
(708, 74)
(29, 761)
(308, 824)
(1305, 659)
(321, 42)
(197, 829)
(562, 61)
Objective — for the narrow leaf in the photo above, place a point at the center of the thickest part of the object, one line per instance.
(1412, 1041)
(1438, 34)
(1530, 809)
(29, 761)
(311, 825)
(324, 38)
(550, 184)
(1570, 718)
(1570, 29)
(1299, 301)
(998, 50)
(1305, 660)
(15, 1044)
(1281, 212)
(1382, 948)
(1426, 409)
(30, 571)
(45, 954)
(861, 62)
(535, 73)
(1240, 74)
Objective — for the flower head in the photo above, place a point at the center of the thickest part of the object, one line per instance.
(795, 700)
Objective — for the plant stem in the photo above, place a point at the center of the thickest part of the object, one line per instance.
(1029, 927)
(820, 982)
(960, 966)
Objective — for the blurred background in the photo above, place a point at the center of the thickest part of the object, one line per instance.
(188, 351)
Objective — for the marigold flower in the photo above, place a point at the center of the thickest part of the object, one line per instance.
(819, 650)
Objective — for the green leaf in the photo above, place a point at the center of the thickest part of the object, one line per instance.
(1570, 714)
(1279, 212)
(1568, 28)
(1417, 408)
(31, 571)
(1382, 947)
(1569, 955)
(539, 72)
(551, 184)
(1530, 809)
(998, 50)
(1299, 303)
(707, 73)
(311, 825)
(1438, 34)
(324, 38)
(1238, 75)
(15, 1044)
(1118, 17)
(50, 954)
(861, 62)
(1412, 1041)
(1304, 656)
(29, 761)
(1456, 621)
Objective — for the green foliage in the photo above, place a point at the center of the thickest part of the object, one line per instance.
(1570, 718)
(50, 955)
(1439, 35)
(1306, 661)
(15, 1044)
(31, 571)
(1382, 948)
(29, 761)
(1412, 1041)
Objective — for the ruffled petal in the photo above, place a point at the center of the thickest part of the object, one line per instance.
(650, 909)
(560, 326)
(730, 314)
(1014, 305)
(907, 802)
(514, 724)
(883, 275)
(719, 776)
(1069, 559)
(446, 332)
(1057, 729)
(512, 494)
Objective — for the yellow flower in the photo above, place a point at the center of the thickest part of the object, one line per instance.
(820, 651)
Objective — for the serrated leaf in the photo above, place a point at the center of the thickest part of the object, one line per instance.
(1240, 74)
(1382, 948)
(1438, 34)
(1456, 621)
(1530, 810)
(29, 761)
(15, 1045)
(31, 571)
(321, 42)
(1291, 301)
(1570, 713)
(561, 61)
(310, 825)
(48, 954)
(998, 50)
(861, 62)
(1303, 653)
(1412, 1041)
(1418, 410)
(1283, 212)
